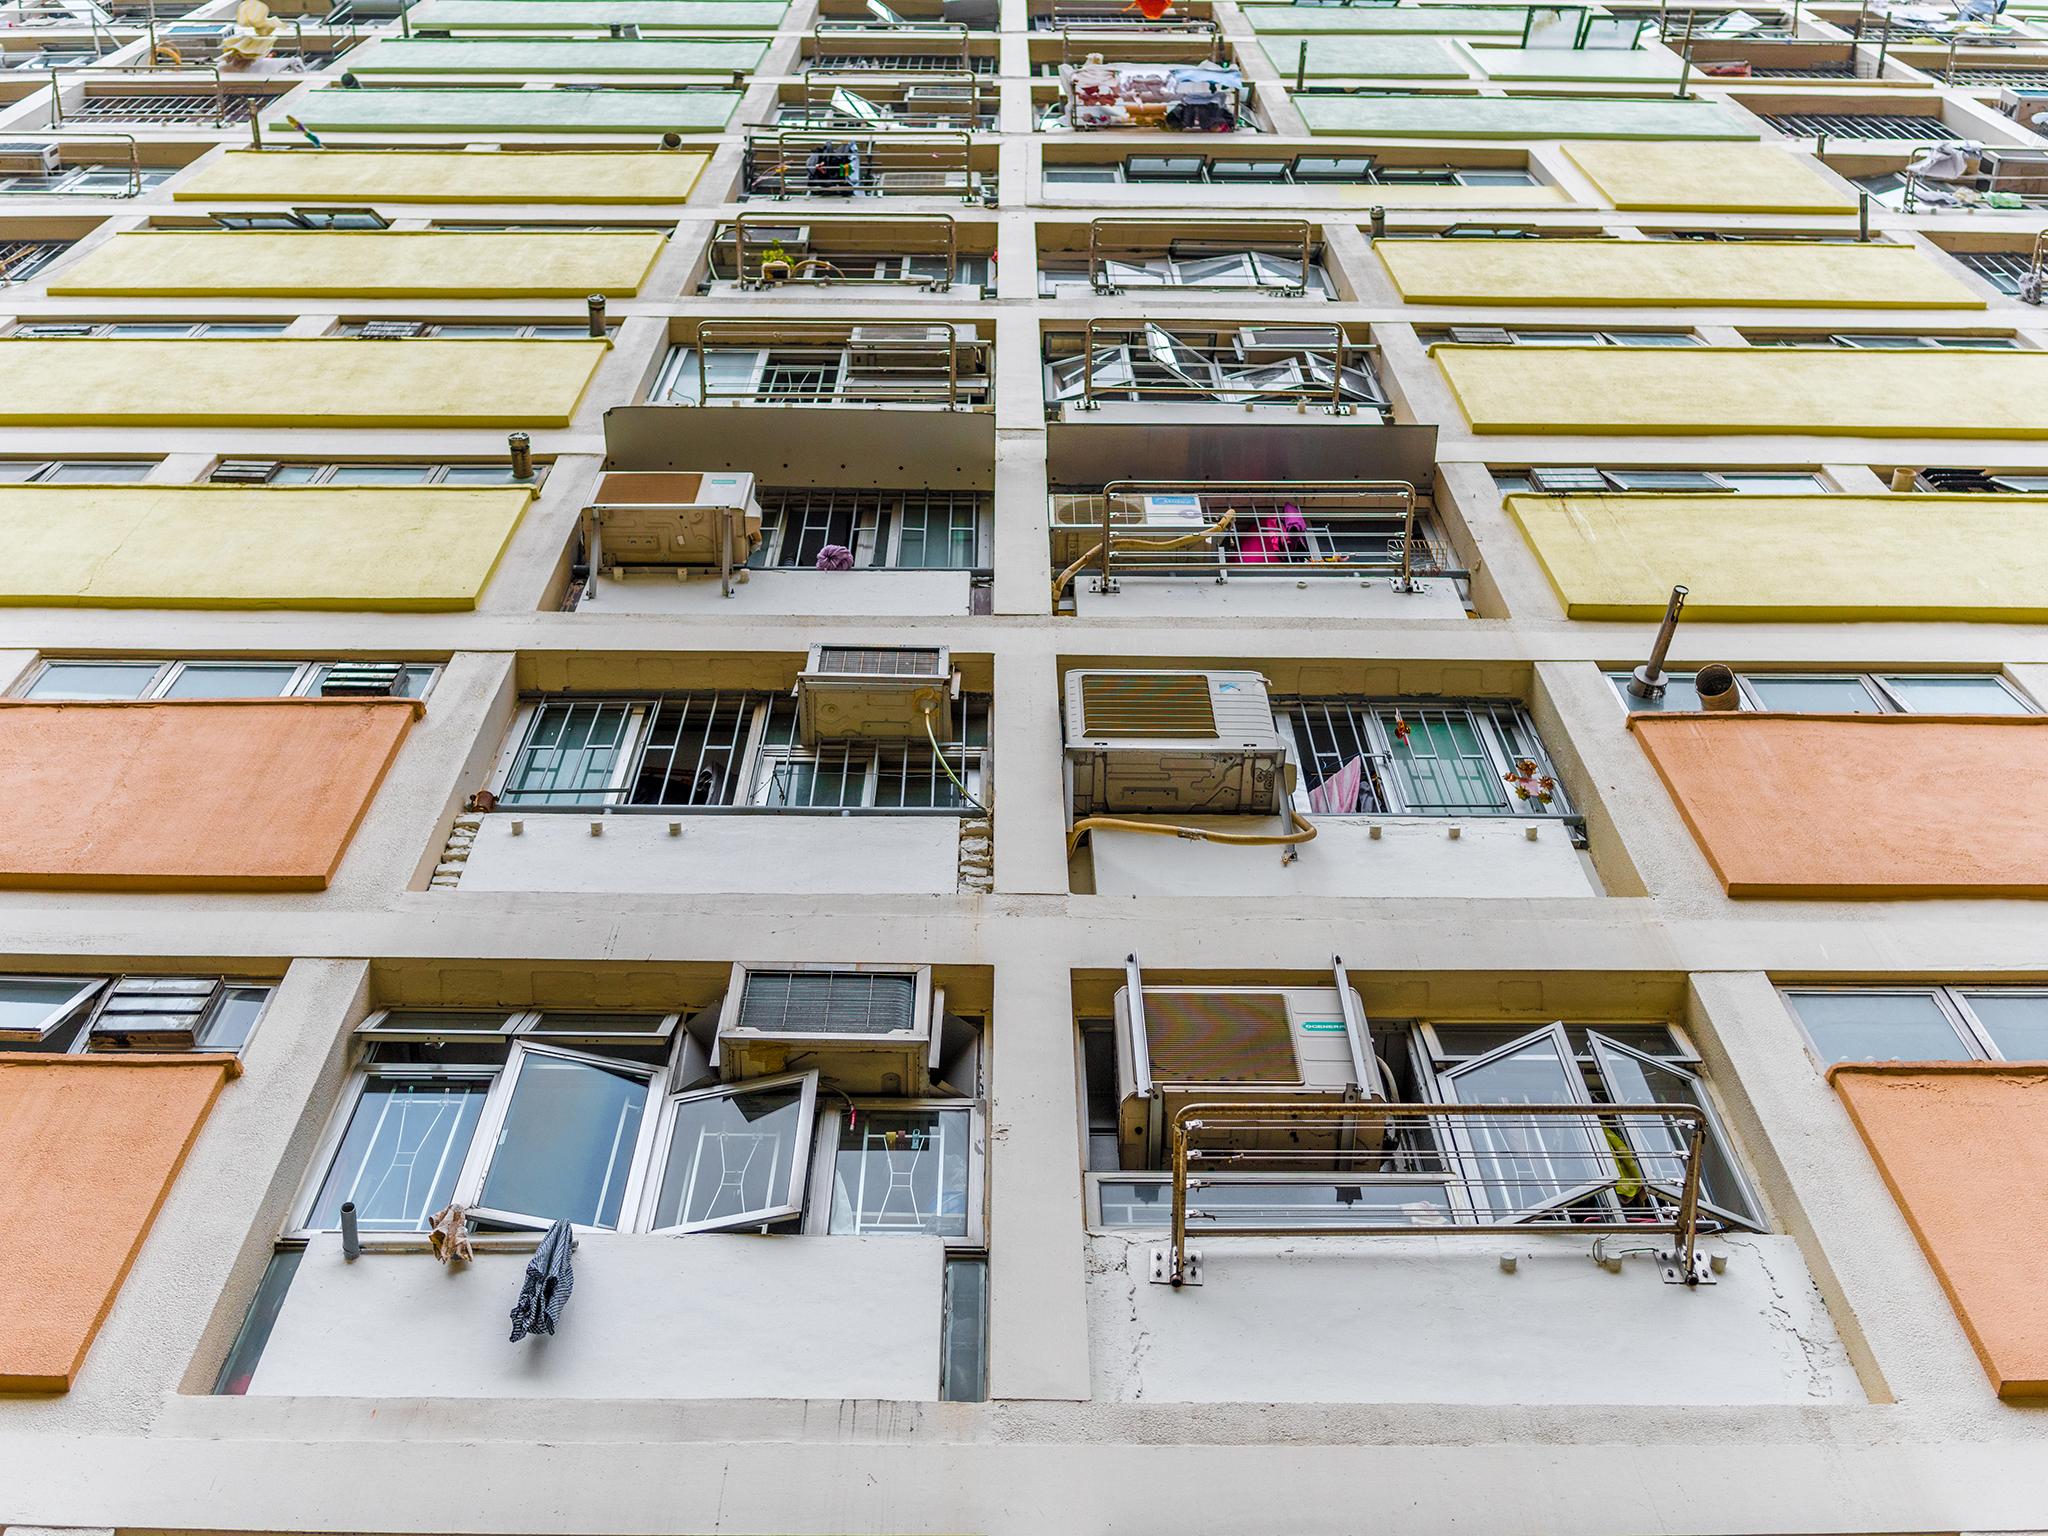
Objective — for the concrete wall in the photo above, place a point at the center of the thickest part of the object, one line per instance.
(1808, 558)
(711, 1315)
(1410, 858)
(1859, 805)
(779, 852)
(445, 176)
(1829, 391)
(1437, 1320)
(221, 546)
(395, 264)
(93, 1145)
(1963, 1150)
(1277, 598)
(243, 794)
(335, 382)
(793, 592)
(1670, 273)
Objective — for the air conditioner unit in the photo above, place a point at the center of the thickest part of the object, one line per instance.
(867, 1029)
(876, 693)
(893, 346)
(1242, 1045)
(152, 1013)
(28, 157)
(1200, 742)
(645, 520)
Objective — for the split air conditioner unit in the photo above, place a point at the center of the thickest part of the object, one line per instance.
(1243, 1046)
(876, 693)
(1174, 742)
(675, 522)
(29, 157)
(866, 1029)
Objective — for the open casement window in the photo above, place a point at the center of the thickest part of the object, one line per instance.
(1659, 1143)
(900, 1170)
(735, 1156)
(1526, 1169)
(565, 1140)
(33, 1008)
(402, 1149)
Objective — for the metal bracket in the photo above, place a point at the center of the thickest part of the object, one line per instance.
(1671, 1264)
(1162, 1266)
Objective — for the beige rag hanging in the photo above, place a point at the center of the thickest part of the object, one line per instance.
(449, 1235)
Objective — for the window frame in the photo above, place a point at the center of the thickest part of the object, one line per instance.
(85, 995)
(1383, 778)
(829, 1137)
(1885, 700)
(303, 684)
(797, 1188)
(1952, 999)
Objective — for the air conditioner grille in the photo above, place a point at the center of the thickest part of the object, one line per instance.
(1230, 1037)
(1147, 704)
(875, 661)
(828, 1003)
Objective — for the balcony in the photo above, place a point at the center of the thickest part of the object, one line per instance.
(1282, 179)
(783, 163)
(958, 101)
(897, 48)
(1264, 259)
(1275, 1169)
(1132, 96)
(905, 254)
(838, 786)
(1269, 547)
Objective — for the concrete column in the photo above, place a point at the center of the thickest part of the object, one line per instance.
(1038, 1308)
(1030, 787)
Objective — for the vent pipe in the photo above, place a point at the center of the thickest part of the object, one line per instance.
(1647, 681)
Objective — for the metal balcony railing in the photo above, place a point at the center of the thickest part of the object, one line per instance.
(858, 47)
(827, 362)
(1298, 530)
(957, 100)
(129, 169)
(920, 250)
(22, 259)
(1591, 1169)
(2020, 173)
(1306, 365)
(1123, 20)
(802, 162)
(1272, 257)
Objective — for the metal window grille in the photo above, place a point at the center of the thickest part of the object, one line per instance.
(2002, 269)
(1423, 759)
(1859, 125)
(828, 1003)
(835, 776)
(1845, 70)
(1984, 74)
(901, 63)
(22, 259)
(914, 530)
(685, 749)
(229, 107)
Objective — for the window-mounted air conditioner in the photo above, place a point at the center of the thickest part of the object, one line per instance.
(1240, 1046)
(643, 520)
(866, 1029)
(28, 157)
(876, 693)
(1201, 742)
(897, 346)
(152, 1013)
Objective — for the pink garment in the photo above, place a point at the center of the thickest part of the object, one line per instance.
(835, 557)
(1338, 794)
(1279, 540)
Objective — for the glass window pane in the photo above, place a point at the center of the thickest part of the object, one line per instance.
(963, 1341)
(1513, 1165)
(1878, 1026)
(569, 754)
(399, 1157)
(478, 474)
(232, 680)
(1679, 693)
(296, 474)
(1932, 694)
(29, 1005)
(1773, 484)
(566, 1147)
(1442, 763)
(2017, 1022)
(17, 471)
(69, 680)
(904, 1171)
(736, 1156)
(99, 472)
(233, 1018)
(1659, 1142)
(381, 474)
(1812, 695)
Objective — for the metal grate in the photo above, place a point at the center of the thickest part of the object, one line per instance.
(1859, 125)
(901, 63)
(878, 661)
(828, 1003)
(1985, 74)
(229, 107)
(1844, 71)
(1229, 1037)
(1143, 705)
(1422, 759)
(2002, 269)
(689, 751)
(912, 530)
(22, 259)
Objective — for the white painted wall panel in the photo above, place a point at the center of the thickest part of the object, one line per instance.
(711, 1315)
(822, 594)
(1436, 1320)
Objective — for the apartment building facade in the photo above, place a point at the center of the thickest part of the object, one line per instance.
(1240, 768)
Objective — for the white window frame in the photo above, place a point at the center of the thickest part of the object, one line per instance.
(346, 1104)
(46, 470)
(1459, 1144)
(305, 676)
(1953, 1002)
(59, 1015)
(1886, 700)
(484, 1146)
(831, 1129)
(1716, 1135)
(796, 1189)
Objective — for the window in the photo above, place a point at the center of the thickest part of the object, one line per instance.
(1924, 1023)
(65, 680)
(74, 471)
(1555, 481)
(69, 1015)
(1241, 366)
(1422, 759)
(1525, 336)
(895, 530)
(164, 330)
(465, 330)
(878, 365)
(280, 472)
(304, 218)
(1881, 341)
(90, 180)
(613, 1122)
(1848, 693)
(1300, 170)
(1438, 1170)
(728, 751)
(1204, 264)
